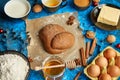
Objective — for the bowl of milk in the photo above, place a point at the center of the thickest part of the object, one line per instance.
(17, 8)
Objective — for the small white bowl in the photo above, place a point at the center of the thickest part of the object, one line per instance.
(17, 8)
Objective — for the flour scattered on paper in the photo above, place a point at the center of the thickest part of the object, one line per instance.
(13, 67)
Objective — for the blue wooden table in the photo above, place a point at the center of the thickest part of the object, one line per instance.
(15, 36)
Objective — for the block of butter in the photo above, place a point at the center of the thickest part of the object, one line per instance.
(109, 15)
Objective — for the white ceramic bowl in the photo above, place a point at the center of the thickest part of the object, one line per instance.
(17, 8)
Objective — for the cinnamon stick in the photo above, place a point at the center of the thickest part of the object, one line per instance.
(77, 76)
(93, 46)
(87, 49)
(82, 54)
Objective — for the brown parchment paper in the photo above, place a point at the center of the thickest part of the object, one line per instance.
(35, 48)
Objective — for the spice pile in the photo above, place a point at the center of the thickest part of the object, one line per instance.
(13, 67)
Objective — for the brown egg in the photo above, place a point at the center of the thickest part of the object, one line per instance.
(37, 8)
(105, 76)
(109, 53)
(117, 61)
(101, 61)
(93, 70)
(114, 71)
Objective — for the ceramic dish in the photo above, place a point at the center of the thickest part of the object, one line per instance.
(94, 15)
(19, 54)
(17, 8)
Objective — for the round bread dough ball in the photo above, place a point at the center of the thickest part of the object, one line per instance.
(67, 40)
(56, 39)
(37, 8)
(111, 38)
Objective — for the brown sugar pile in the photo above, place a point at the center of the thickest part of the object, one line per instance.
(81, 3)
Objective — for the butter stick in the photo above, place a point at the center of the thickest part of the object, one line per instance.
(109, 15)
(93, 46)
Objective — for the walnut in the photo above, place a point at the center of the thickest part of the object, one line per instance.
(111, 38)
(37, 8)
(90, 34)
